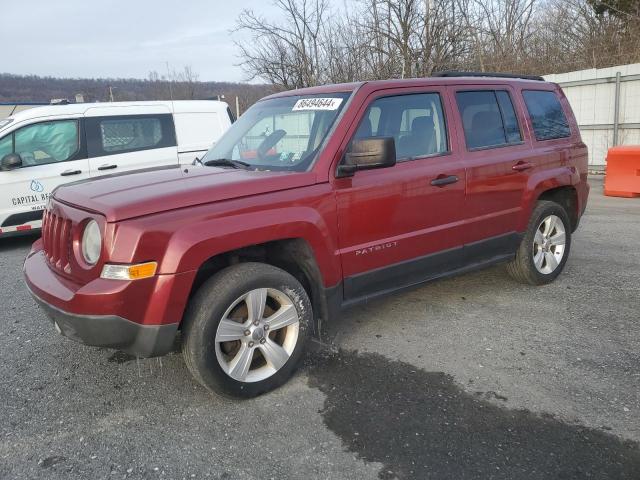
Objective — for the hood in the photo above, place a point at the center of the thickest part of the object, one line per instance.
(144, 192)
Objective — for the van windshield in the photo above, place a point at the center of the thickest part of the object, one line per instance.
(279, 134)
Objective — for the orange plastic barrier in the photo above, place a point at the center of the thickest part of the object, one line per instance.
(623, 172)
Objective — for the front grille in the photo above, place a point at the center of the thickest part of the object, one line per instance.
(56, 238)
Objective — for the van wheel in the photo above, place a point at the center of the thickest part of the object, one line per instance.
(245, 330)
(544, 249)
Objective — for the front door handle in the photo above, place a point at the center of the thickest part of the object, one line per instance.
(67, 173)
(443, 180)
(521, 166)
(107, 167)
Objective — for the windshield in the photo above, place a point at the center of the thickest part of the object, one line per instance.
(279, 134)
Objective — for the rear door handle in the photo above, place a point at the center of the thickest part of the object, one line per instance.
(520, 166)
(107, 167)
(67, 173)
(443, 180)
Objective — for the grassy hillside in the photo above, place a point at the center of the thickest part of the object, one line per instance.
(18, 88)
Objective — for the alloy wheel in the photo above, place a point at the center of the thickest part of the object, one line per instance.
(257, 335)
(549, 244)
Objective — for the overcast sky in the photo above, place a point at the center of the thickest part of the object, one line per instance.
(122, 38)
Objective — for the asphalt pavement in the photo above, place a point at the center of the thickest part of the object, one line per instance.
(474, 377)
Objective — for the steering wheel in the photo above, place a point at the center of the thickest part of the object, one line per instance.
(269, 142)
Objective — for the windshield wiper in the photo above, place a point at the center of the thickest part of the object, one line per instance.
(225, 162)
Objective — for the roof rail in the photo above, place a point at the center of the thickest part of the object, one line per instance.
(455, 73)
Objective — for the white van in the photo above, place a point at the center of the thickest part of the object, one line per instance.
(44, 147)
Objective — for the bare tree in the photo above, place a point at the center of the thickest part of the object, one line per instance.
(289, 52)
(401, 38)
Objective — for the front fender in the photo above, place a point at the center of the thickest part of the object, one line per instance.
(188, 249)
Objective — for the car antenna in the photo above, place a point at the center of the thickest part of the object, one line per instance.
(170, 87)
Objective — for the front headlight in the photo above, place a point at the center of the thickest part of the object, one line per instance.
(91, 242)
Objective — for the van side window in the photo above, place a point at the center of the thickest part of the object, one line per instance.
(131, 133)
(547, 116)
(6, 145)
(43, 143)
(232, 117)
(488, 118)
(415, 121)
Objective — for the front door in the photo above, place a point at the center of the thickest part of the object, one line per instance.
(401, 225)
(52, 154)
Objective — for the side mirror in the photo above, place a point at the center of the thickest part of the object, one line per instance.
(11, 161)
(368, 153)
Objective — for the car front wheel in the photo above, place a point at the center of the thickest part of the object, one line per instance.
(245, 329)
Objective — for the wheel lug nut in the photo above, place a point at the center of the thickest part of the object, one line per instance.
(256, 322)
(263, 340)
(247, 333)
(266, 327)
(251, 344)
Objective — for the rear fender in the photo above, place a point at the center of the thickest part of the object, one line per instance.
(540, 182)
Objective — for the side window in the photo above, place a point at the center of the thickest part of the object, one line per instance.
(415, 121)
(547, 116)
(130, 134)
(43, 143)
(511, 127)
(232, 117)
(488, 118)
(113, 135)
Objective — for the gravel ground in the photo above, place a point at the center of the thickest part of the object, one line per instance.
(470, 377)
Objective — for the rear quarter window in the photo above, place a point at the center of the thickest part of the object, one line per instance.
(547, 116)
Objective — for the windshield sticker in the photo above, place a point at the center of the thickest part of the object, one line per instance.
(317, 104)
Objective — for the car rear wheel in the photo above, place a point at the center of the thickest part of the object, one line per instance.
(545, 246)
(245, 329)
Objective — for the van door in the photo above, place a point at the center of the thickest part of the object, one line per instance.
(123, 142)
(52, 153)
(402, 225)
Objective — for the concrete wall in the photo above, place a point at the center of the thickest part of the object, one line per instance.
(592, 94)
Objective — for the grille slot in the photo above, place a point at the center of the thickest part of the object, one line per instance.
(56, 238)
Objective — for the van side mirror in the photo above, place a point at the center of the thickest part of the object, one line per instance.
(10, 161)
(368, 153)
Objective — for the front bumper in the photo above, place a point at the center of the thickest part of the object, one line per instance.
(96, 313)
(112, 331)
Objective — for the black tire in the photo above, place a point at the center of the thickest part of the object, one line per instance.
(205, 312)
(522, 267)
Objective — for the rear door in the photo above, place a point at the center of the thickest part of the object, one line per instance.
(498, 163)
(401, 225)
(134, 138)
(52, 153)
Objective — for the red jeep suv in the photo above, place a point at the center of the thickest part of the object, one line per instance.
(314, 200)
